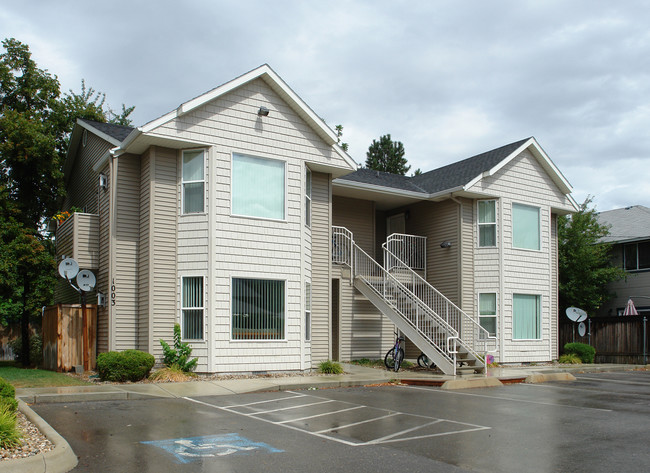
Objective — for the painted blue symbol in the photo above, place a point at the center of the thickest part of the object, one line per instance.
(194, 448)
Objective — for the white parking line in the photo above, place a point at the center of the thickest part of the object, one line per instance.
(395, 436)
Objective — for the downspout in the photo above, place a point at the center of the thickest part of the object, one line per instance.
(460, 251)
(112, 216)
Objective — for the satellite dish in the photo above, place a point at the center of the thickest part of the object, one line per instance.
(582, 329)
(86, 280)
(575, 314)
(68, 268)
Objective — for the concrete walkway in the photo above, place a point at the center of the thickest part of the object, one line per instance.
(63, 459)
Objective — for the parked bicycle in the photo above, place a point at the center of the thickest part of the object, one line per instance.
(395, 355)
(425, 362)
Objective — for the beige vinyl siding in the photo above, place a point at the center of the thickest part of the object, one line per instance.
(358, 216)
(163, 247)
(250, 247)
(144, 253)
(554, 288)
(103, 284)
(522, 271)
(321, 273)
(125, 318)
(82, 189)
(636, 283)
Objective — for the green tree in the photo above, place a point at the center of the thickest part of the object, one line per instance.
(585, 266)
(339, 135)
(387, 155)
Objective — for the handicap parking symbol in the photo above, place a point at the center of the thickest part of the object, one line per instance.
(194, 448)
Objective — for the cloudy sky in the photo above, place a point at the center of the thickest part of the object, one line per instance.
(448, 79)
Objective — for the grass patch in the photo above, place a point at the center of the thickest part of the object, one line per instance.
(330, 367)
(33, 378)
(368, 362)
(570, 359)
(171, 374)
(9, 434)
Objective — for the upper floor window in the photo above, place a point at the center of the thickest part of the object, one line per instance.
(636, 256)
(258, 187)
(525, 227)
(308, 197)
(487, 223)
(193, 182)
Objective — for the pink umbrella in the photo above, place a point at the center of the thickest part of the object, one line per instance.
(629, 308)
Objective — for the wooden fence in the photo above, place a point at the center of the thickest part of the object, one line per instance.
(63, 341)
(616, 339)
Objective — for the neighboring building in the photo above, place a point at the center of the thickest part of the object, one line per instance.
(629, 235)
(225, 216)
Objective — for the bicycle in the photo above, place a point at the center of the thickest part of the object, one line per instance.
(395, 355)
(425, 362)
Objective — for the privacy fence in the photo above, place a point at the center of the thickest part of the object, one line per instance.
(620, 339)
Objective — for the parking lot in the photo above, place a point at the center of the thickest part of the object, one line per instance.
(597, 423)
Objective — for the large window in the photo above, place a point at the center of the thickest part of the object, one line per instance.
(257, 309)
(525, 227)
(487, 223)
(487, 311)
(637, 256)
(192, 308)
(258, 187)
(307, 311)
(526, 317)
(308, 197)
(193, 182)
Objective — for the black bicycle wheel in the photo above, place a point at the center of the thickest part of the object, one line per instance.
(423, 361)
(389, 359)
(398, 359)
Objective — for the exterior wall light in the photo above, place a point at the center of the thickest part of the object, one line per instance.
(445, 244)
(263, 112)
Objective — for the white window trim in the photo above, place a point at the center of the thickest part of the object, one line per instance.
(308, 194)
(182, 308)
(541, 317)
(183, 181)
(637, 269)
(496, 309)
(479, 224)
(286, 315)
(539, 226)
(286, 188)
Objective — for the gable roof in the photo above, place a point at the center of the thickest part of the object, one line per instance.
(456, 177)
(274, 81)
(626, 225)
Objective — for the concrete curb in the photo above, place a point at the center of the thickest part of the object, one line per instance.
(471, 383)
(59, 460)
(544, 377)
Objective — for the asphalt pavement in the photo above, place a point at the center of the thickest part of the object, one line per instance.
(62, 458)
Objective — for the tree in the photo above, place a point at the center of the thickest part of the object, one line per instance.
(339, 135)
(387, 155)
(585, 266)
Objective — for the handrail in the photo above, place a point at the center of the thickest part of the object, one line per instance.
(410, 307)
(410, 249)
(472, 334)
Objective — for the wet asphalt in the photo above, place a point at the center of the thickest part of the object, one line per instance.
(598, 423)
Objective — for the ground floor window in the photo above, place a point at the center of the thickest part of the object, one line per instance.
(526, 317)
(258, 307)
(192, 308)
(307, 311)
(487, 310)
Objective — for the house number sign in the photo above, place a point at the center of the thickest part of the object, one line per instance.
(113, 292)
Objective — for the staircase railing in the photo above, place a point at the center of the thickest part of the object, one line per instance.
(402, 299)
(409, 249)
(472, 336)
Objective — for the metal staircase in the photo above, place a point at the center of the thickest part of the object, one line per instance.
(441, 330)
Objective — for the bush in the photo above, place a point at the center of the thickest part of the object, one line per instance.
(9, 433)
(179, 356)
(585, 352)
(128, 365)
(35, 349)
(330, 367)
(570, 359)
(8, 396)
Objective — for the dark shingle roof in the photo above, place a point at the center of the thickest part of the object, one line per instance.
(447, 177)
(119, 132)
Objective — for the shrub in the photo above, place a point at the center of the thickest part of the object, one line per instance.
(585, 352)
(171, 374)
(330, 367)
(128, 365)
(8, 396)
(9, 433)
(570, 359)
(35, 349)
(179, 356)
